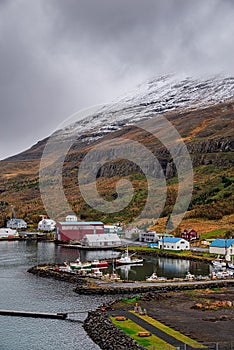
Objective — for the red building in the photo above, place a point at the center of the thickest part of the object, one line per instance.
(190, 235)
(76, 230)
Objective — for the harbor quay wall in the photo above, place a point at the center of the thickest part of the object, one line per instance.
(105, 334)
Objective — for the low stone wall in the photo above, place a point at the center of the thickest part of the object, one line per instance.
(45, 271)
(104, 333)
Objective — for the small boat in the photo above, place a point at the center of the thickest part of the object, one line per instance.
(231, 266)
(154, 278)
(65, 268)
(219, 263)
(78, 265)
(98, 263)
(96, 273)
(127, 259)
(189, 276)
(224, 274)
(112, 276)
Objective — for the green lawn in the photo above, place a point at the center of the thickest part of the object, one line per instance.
(151, 343)
(177, 335)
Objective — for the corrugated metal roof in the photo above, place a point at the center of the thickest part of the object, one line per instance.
(102, 237)
(81, 223)
(171, 239)
(222, 243)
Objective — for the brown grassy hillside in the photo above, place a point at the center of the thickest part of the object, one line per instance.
(208, 134)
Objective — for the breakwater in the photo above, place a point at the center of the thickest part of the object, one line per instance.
(47, 271)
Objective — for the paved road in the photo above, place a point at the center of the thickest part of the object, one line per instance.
(153, 330)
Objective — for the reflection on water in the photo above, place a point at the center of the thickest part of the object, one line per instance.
(166, 267)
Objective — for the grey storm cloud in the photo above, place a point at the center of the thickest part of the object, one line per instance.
(60, 56)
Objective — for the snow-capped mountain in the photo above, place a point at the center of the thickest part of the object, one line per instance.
(160, 95)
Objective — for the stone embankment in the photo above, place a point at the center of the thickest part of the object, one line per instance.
(105, 334)
(50, 272)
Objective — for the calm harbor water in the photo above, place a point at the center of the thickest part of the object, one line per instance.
(20, 290)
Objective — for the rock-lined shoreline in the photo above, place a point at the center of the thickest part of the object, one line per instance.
(105, 334)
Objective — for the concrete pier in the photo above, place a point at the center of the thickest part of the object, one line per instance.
(59, 315)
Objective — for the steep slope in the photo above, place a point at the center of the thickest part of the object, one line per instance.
(201, 110)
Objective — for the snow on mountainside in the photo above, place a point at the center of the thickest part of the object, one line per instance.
(160, 95)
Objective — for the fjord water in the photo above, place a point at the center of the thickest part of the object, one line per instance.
(20, 290)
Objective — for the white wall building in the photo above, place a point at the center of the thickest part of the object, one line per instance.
(16, 224)
(101, 240)
(173, 243)
(71, 218)
(222, 247)
(46, 225)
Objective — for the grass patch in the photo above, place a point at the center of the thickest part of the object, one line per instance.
(214, 234)
(177, 335)
(151, 343)
(131, 300)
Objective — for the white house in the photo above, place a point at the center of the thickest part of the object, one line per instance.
(101, 240)
(46, 225)
(71, 218)
(222, 247)
(174, 243)
(16, 224)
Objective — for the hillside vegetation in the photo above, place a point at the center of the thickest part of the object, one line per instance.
(208, 134)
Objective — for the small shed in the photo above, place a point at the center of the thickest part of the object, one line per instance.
(174, 243)
(107, 240)
(71, 218)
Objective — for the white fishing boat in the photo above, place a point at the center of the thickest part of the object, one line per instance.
(154, 278)
(127, 259)
(219, 263)
(231, 266)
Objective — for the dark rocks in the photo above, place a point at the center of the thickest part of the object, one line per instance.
(48, 272)
(104, 333)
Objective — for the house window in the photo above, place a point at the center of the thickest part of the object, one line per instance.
(172, 247)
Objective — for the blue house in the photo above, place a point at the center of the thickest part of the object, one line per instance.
(222, 246)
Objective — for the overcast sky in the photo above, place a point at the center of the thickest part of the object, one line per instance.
(58, 56)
